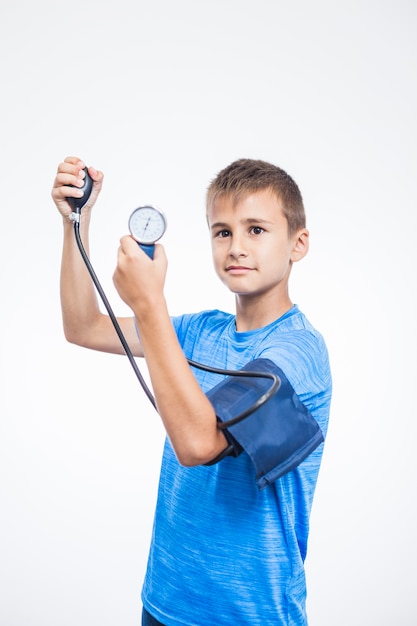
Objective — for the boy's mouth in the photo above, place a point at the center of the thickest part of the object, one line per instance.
(238, 269)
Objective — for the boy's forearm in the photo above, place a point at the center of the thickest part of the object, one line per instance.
(78, 299)
(187, 414)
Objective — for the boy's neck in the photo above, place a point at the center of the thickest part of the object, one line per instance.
(253, 313)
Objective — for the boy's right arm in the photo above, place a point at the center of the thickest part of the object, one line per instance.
(83, 322)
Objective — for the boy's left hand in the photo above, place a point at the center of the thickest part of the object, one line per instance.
(138, 279)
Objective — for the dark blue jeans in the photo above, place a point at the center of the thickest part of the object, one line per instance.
(148, 620)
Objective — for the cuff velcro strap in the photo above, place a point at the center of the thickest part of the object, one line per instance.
(278, 435)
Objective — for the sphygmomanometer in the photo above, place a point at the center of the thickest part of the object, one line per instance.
(256, 407)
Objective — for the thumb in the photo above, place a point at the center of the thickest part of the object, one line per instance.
(97, 178)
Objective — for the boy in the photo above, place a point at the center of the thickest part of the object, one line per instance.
(223, 551)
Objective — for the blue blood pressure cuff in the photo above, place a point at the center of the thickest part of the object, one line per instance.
(278, 435)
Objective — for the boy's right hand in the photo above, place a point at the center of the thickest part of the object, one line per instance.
(71, 172)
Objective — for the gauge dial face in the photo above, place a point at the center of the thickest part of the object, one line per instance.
(147, 224)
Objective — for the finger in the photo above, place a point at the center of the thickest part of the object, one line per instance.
(68, 178)
(96, 175)
(121, 252)
(75, 161)
(69, 168)
(159, 254)
(128, 244)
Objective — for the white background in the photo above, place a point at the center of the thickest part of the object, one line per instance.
(160, 96)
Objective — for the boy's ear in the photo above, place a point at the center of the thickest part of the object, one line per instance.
(300, 245)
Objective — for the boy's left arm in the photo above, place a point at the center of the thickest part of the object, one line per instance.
(187, 414)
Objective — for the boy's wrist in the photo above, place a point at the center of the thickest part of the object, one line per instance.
(83, 219)
(150, 312)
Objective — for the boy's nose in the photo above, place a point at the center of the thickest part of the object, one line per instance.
(237, 248)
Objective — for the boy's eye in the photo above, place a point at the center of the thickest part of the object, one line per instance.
(223, 233)
(256, 230)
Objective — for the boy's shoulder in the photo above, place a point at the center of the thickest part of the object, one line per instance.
(300, 350)
(291, 322)
(205, 328)
(210, 317)
(294, 326)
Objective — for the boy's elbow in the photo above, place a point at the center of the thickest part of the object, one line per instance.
(72, 335)
(196, 454)
(83, 332)
(186, 459)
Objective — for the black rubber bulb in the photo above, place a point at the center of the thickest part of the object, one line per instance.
(77, 204)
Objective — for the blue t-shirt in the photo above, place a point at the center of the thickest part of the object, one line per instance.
(223, 552)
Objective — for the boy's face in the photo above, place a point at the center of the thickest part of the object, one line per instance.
(252, 251)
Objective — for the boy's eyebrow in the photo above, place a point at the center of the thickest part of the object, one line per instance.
(219, 225)
(248, 220)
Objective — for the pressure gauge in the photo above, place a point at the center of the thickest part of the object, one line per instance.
(147, 224)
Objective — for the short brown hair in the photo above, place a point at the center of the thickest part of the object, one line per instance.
(246, 176)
